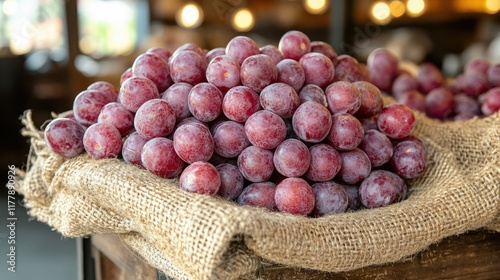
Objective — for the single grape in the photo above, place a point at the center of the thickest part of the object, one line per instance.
(378, 190)
(463, 104)
(64, 137)
(132, 148)
(294, 196)
(115, 114)
(205, 102)
(494, 75)
(356, 166)
(429, 77)
(162, 52)
(106, 87)
(396, 121)
(364, 73)
(223, 72)
(371, 99)
(292, 158)
(294, 44)
(325, 163)
(343, 97)
(280, 98)
(258, 71)
(318, 69)
(324, 48)
(240, 103)
(200, 177)
(439, 103)
(312, 92)
(125, 75)
(188, 67)
(383, 66)
(159, 157)
(273, 52)
(404, 83)
(471, 84)
(377, 147)
(189, 47)
(265, 129)
(347, 69)
(408, 159)
(353, 201)
(88, 104)
(369, 123)
(330, 198)
(153, 67)
(491, 101)
(211, 54)
(193, 142)
(241, 47)
(256, 164)
(291, 72)
(230, 139)
(102, 140)
(232, 181)
(346, 132)
(177, 97)
(311, 122)
(259, 195)
(155, 118)
(477, 66)
(413, 99)
(135, 91)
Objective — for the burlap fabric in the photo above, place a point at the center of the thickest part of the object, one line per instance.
(190, 236)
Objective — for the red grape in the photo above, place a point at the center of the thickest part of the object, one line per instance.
(231, 181)
(463, 104)
(377, 147)
(256, 164)
(312, 92)
(325, 163)
(132, 148)
(159, 157)
(162, 52)
(324, 48)
(115, 114)
(223, 72)
(205, 102)
(356, 166)
(188, 67)
(258, 71)
(241, 47)
(102, 140)
(404, 83)
(88, 104)
(318, 69)
(125, 75)
(106, 87)
(155, 118)
(189, 47)
(369, 123)
(240, 103)
(311, 122)
(378, 189)
(409, 159)
(383, 66)
(64, 137)
(273, 52)
(413, 99)
(294, 196)
(396, 121)
(494, 75)
(343, 97)
(177, 97)
(265, 129)
(135, 91)
(294, 44)
(230, 139)
(214, 53)
(347, 69)
(259, 195)
(439, 103)
(200, 177)
(491, 101)
(292, 158)
(330, 198)
(371, 99)
(346, 132)
(477, 66)
(352, 196)
(280, 98)
(153, 67)
(193, 142)
(471, 84)
(291, 72)
(429, 77)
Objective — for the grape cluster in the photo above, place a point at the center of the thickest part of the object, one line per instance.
(475, 92)
(291, 128)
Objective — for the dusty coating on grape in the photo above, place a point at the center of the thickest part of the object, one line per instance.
(200, 177)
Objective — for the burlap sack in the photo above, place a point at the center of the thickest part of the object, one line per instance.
(190, 236)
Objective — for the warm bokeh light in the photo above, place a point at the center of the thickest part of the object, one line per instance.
(190, 16)
(381, 13)
(20, 46)
(492, 6)
(397, 8)
(243, 20)
(316, 7)
(9, 7)
(415, 8)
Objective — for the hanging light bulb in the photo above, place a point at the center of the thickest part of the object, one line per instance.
(415, 8)
(492, 6)
(397, 8)
(381, 13)
(243, 20)
(316, 7)
(189, 16)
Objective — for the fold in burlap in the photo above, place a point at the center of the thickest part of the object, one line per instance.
(191, 236)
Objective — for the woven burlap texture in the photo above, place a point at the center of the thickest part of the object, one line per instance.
(190, 236)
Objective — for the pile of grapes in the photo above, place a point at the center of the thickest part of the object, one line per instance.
(475, 92)
(292, 128)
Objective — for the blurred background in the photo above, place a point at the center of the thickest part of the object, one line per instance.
(50, 50)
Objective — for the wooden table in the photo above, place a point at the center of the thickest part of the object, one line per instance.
(473, 255)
